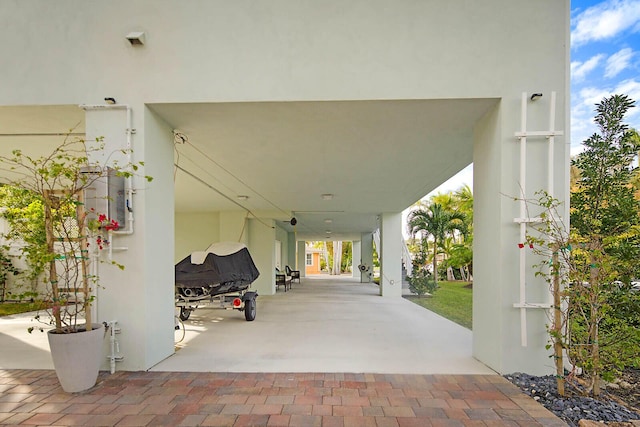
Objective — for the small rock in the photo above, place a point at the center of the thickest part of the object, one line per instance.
(625, 385)
(589, 423)
(573, 407)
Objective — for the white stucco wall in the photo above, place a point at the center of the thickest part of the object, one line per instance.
(390, 254)
(140, 297)
(366, 255)
(195, 232)
(361, 49)
(233, 227)
(497, 324)
(356, 257)
(283, 237)
(72, 52)
(261, 245)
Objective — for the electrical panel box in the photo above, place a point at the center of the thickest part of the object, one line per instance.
(106, 194)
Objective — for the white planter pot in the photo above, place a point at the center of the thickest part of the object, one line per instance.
(77, 357)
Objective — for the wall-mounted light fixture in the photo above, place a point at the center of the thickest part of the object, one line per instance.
(136, 38)
(180, 137)
(535, 96)
(110, 101)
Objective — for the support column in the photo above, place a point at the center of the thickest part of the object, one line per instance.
(262, 238)
(355, 258)
(140, 298)
(497, 324)
(366, 256)
(302, 258)
(391, 256)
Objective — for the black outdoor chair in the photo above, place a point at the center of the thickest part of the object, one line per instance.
(295, 274)
(282, 280)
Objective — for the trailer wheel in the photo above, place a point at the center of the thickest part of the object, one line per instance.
(184, 313)
(250, 309)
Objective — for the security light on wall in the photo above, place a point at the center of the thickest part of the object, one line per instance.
(136, 38)
(536, 96)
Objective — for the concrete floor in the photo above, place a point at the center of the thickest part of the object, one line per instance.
(20, 349)
(324, 324)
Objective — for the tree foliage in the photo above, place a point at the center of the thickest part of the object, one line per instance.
(24, 213)
(445, 224)
(603, 202)
(605, 221)
(48, 217)
(343, 250)
(593, 261)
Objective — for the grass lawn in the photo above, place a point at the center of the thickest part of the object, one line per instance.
(8, 308)
(452, 300)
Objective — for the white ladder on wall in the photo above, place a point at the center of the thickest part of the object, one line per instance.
(523, 220)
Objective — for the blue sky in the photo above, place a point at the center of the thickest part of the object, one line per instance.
(605, 59)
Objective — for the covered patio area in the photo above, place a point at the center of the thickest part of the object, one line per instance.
(326, 324)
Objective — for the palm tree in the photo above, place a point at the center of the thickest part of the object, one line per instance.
(463, 197)
(437, 222)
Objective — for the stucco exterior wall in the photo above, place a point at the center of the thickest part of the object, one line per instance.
(195, 232)
(72, 52)
(283, 237)
(203, 51)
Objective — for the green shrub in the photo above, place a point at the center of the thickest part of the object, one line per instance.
(422, 283)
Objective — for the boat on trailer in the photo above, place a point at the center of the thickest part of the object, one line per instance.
(219, 277)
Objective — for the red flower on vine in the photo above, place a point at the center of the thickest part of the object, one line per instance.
(102, 223)
(108, 224)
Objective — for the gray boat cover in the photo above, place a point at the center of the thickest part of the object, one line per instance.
(219, 273)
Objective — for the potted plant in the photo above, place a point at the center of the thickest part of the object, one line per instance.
(68, 254)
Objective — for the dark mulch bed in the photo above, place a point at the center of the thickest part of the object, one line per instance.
(619, 401)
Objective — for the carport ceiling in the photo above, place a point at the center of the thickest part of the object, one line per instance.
(372, 156)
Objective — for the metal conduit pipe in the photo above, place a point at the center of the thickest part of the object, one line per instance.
(129, 180)
(129, 132)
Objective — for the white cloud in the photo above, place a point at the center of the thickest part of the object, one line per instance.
(579, 70)
(629, 87)
(605, 20)
(583, 107)
(618, 62)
